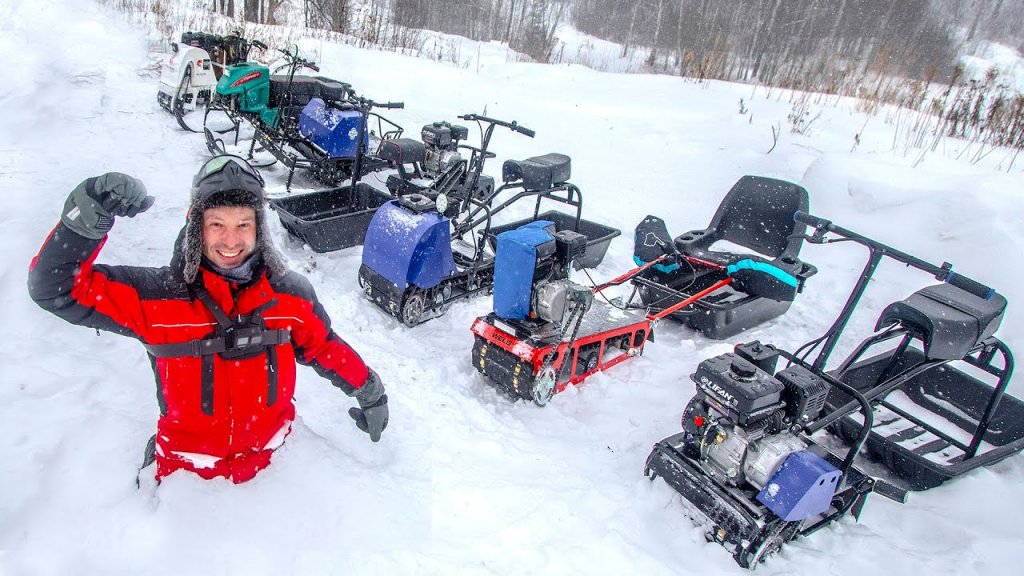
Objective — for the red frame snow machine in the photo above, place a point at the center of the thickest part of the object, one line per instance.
(534, 358)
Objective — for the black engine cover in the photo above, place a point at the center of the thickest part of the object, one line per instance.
(741, 390)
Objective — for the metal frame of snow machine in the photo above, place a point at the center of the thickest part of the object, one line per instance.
(936, 416)
(749, 461)
(416, 261)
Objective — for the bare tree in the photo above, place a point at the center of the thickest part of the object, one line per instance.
(225, 7)
(330, 14)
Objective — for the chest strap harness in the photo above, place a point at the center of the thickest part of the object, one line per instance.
(235, 339)
(243, 337)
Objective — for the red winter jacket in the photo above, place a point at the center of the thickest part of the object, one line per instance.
(218, 417)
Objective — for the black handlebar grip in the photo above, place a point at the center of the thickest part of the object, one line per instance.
(392, 105)
(813, 221)
(526, 131)
(259, 44)
(967, 285)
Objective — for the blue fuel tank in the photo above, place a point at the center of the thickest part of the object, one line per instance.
(332, 130)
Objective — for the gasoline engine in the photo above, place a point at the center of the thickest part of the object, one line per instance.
(745, 461)
(441, 141)
(545, 301)
(740, 422)
(536, 307)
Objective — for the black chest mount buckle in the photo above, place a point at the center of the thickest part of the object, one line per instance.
(235, 339)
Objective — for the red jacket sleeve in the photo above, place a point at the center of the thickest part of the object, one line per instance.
(316, 344)
(64, 280)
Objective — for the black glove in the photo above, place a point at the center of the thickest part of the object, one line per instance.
(92, 205)
(372, 415)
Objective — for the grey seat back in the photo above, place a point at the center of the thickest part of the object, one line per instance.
(757, 214)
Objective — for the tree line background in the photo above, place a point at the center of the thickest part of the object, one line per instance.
(810, 43)
(899, 52)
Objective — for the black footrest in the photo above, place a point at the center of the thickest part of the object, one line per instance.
(935, 445)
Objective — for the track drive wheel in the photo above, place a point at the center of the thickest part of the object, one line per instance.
(767, 542)
(412, 309)
(543, 386)
(586, 361)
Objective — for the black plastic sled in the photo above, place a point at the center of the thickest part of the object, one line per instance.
(770, 443)
(756, 217)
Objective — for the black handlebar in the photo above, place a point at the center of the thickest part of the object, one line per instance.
(293, 58)
(259, 44)
(943, 273)
(967, 285)
(514, 126)
(360, 101)
(812, 221)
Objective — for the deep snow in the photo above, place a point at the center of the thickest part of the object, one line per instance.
(464, 481)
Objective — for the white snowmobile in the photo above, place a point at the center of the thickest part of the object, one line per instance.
(187, 77)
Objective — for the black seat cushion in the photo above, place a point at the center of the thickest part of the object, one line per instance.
(302, 89)
(402, 151)
(538, 172)
(949, 320)
(329, 89)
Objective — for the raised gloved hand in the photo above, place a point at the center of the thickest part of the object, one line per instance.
(92, 205)
(372, 415)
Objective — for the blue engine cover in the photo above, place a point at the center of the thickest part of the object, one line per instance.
(333, 130)
(514, 263)
(802, 487)
(409, 248)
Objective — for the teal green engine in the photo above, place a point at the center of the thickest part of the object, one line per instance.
(249, 83)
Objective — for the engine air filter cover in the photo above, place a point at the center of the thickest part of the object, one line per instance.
(744, 390)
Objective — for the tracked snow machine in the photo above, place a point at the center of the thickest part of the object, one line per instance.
(547, 332)
(417, 261)
(774, 447)
(309, 123)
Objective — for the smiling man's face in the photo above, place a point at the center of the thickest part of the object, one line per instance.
(229, 235)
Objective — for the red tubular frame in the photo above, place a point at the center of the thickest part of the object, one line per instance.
(537, 356)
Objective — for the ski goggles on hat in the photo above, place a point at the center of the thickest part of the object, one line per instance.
(227, 172)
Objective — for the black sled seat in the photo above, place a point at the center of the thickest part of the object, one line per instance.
(305, 88)
(938, 396)
(756, 216)
(949, 321)
(407, 156)
(538, 172)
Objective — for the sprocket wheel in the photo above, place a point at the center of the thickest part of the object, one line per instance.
(767, 542)
(543, 386)
(412, 309)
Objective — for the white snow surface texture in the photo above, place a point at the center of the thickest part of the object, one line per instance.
(464, 481)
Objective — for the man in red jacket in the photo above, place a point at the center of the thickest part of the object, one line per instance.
(224, 324)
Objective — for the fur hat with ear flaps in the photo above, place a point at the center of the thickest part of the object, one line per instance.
(224, 181)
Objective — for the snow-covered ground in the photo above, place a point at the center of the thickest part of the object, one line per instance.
(464, 481)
